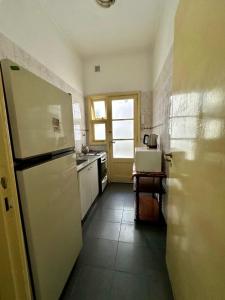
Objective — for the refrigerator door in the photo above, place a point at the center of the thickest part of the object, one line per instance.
(40, 115)
(52, 217)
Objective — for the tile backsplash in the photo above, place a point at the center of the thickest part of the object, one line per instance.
(161, 103)
(10, 50)
(146, 112)
(161, 112)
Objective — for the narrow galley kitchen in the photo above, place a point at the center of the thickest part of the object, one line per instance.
(112, 150)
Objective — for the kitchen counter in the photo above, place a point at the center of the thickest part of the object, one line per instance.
(88, 161)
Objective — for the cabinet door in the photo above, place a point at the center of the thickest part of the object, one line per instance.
(94, 180)
(88, 185)
(84, 191)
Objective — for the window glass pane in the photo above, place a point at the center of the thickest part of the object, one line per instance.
(99, 131)
(76, 111)
(99, 109)
(77, 132)
(123, 149)
(123, 109)
(123, 129)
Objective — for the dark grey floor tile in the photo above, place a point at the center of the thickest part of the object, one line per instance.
(129, 202)
(132, 233)
(138, 259)
(104, 230)
(120, 187)
(109, 215)
(140, 252)
(131, 287)
(128, 216)
(67, 292)
(160, 286)
(92, 283)
(127, 286)
(98, 252)
(113, 203)
(156, 236)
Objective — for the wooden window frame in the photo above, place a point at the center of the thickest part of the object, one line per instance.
(92, 120)
(106, 97)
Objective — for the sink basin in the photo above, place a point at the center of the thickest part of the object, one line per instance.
(80, 161)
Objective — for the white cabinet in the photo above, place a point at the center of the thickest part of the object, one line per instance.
(84, 190)
(88, 185)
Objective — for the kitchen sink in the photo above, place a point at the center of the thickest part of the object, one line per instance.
(80, 161)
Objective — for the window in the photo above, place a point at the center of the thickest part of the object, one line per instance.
(98, 115)
(99, 111)
(99, 132)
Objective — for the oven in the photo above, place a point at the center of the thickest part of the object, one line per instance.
(102, 168)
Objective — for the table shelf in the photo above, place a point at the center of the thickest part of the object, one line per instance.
(148, 184)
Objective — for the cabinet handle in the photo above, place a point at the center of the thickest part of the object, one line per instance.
(3, 183)
(7, 204)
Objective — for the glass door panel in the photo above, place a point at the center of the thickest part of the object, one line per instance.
(123, 149)
(123, 109)
(123, 129)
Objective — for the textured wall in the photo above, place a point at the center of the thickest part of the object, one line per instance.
(165, 37)
(10, 50)
(146, 112)
(161, 102)
(161, 111)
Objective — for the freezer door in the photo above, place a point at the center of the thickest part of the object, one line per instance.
(40, 114)
(52, 217)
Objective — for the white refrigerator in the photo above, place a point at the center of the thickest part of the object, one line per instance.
(41, 128)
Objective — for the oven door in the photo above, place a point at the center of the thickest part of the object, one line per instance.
(103, 168)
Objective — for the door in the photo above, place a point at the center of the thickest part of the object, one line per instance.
(40, 114)
(196, 206)
(14, 277)
(123, 136)
(51, 209)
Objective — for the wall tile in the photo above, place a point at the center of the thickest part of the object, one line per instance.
(10, 50)
(161, 109)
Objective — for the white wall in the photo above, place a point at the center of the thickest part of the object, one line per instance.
(25, 23)
(120, 72)
(165, 36)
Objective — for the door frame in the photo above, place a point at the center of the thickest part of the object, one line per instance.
(14, 274)
(108, 146)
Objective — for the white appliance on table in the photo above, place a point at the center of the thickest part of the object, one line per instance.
(41, 128)
(148, 160)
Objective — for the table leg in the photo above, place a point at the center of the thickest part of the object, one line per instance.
(137, 200)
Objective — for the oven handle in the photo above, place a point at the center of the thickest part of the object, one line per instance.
(104, 179)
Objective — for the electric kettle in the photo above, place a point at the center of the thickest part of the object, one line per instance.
(84, 149)
(150, 140)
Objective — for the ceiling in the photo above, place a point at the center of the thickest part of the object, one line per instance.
(92, 30)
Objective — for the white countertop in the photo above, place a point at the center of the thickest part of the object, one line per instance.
(88, 160)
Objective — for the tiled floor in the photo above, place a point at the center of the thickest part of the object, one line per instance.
(119, 260)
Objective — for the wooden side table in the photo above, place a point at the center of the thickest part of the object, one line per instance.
(148, 182)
